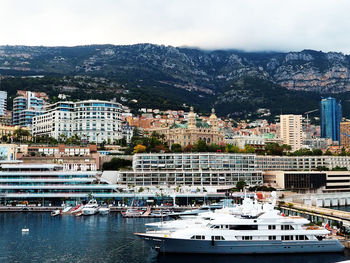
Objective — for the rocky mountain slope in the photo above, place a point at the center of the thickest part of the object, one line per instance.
(206, 77)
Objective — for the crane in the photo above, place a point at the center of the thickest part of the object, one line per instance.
(307, 119)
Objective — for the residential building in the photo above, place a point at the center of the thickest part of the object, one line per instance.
(92, 120)
(345, 135)
(291, 130)
(331, 115)
(192, 131)
(25, 107)
(3, 103)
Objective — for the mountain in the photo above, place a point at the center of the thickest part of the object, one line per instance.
(235, 82)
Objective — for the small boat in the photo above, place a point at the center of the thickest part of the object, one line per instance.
(77, 209)
(66, 210)
(56, 212)
(104, 210)
(91, 208)
(133, 212)
(25, 230)
(160, 213)
(80, 213)
(202, 209)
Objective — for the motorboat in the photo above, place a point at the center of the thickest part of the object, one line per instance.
(160, 213)
(193, 212)
(66, 210)
(91, 208)
(76, 209)
(56, 212)
(133, 212)
(268, 232)
(104, 210)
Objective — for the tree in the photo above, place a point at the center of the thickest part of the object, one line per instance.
(249, 149)
(176, 148)
(21, 134)
(139, 148)
(116, 163)
(240, 184)
(232, 148)
(200, 146)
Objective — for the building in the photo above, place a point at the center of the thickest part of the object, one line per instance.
(291, 130)
(331, 115)
(25, 107)
(258, 142)
(3, 103)
(50, 184)
(214, 170)
(92, 120)
(195, 129)
(345, 134)
(325, 181)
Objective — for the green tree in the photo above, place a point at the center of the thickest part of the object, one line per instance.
(241, 184)
(176, 148)
(200, 146)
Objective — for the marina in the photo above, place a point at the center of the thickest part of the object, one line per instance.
(92, 238)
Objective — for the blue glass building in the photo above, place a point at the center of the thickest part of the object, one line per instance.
(331, 115)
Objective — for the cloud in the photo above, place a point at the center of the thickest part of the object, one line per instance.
(251, 25)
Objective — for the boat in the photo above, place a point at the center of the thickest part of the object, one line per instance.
(268, 232)
(104, 210)
(25, 230)
(56, 212)
(77, 209)
(159, 213)
(133, 212)
(193, 212)
(91, 208)
(66, 210)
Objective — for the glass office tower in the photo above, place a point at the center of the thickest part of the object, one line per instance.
(331, 115)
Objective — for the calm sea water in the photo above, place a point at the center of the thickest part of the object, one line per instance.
(105, 239)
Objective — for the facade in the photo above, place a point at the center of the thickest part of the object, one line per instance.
(192, 131)
(257, 142)
(191, 169)
(345, 134)
(331, 115)
(91, 120)
(26, 107)
(49, 183)
(291, 130)
(325, 181)
(3, 103)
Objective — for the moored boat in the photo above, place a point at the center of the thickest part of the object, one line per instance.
(56, 212)
(133, 212)
(91, 208)
(104, 210)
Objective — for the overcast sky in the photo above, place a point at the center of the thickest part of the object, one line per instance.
(251, 25)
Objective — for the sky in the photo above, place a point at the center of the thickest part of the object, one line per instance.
(250, 25)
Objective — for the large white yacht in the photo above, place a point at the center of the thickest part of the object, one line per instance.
(268, 232)
(248, 228)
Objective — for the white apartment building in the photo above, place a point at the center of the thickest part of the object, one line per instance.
(3, 103)
(91, 120)
(291, 130)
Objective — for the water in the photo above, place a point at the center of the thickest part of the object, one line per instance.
(105, 239)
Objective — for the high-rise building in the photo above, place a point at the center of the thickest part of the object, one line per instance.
(91, 120)
(331, 115)
(3, 103)
(25, 107)
(291, 130)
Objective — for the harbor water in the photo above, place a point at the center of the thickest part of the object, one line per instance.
(105, 239)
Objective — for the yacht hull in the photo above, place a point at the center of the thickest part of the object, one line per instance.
(171, 245)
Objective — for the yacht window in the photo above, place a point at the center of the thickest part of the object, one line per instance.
(301, 237)
(216, 226)
(243, 227)
(286, 227)
(247, 238)
(272, 237)
(287, 238)
(198, 237)
(272, 227)
(219, 238)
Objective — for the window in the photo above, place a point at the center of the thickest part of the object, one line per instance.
(198, 237)
(286, 227)
(272, 237)
(272, 227)
(243, 227)
(218, 238)
(247, 238)
(286, 238)
(301, 237)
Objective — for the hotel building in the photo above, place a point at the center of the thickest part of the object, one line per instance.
(92, 120)
(25, 107)
(291, 130)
